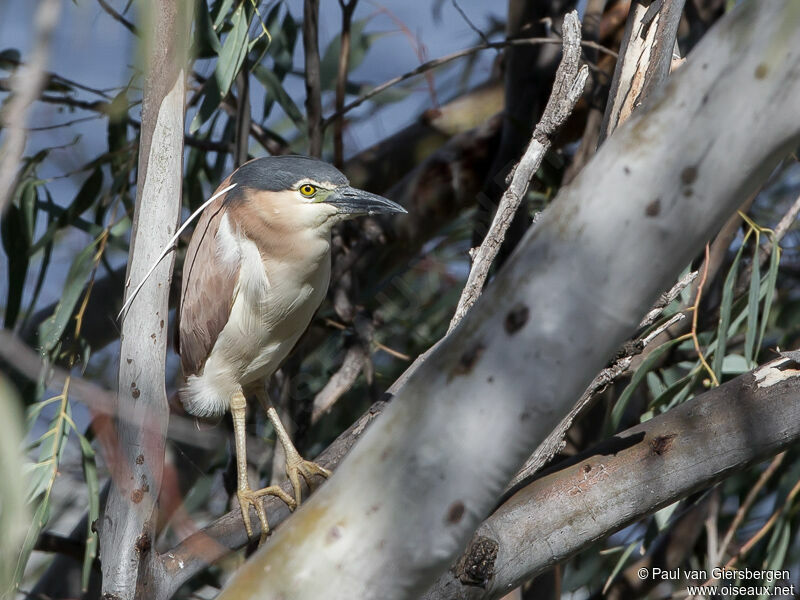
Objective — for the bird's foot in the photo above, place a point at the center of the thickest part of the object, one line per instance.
(296, 466)
(248, 497)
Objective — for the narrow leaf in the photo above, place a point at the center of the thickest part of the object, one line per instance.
(234, 49)
(647, 364)
(725, 314)
(769, 293)
(752, 308)
(51, 329)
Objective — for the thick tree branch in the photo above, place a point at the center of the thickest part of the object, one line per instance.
(629, 476)
(577, 286)
(128, 522)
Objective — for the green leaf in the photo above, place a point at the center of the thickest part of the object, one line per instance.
(663, 516)
(777, 549)
(234, 49)
(735, 364)
(206, 41)
(16, 231)
(40, 517)
(359, 46)
(93, 488)
(51, 329)
(86, 196)
(9, 59)
(224, 6)
(676, 392)
(117, 134)
(211, 101)
(769, 294)
(284, 39)
(14, 513)
(655, 385)
(725, 314)
(752, 308)
(647, 364)
(48, 251)
(275, 89)
(620, 563)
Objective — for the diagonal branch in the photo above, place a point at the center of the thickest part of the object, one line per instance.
(567, 89)
(627, 477)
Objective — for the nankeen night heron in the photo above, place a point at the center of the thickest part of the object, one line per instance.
(256, 270)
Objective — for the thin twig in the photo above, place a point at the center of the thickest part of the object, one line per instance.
(554, 442)
(438, 62)
(667, 297)
(470, 23)
(26, 85)
(567, 89)
(313, 85)
(749, 500)
(788, 220)
(118, 17)
(340, 382)
(695, 313)
(341, 79)
(759, 535)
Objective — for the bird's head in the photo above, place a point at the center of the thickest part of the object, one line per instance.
(306, 189)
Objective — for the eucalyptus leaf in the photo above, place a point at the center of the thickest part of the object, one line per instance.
(647, 364)
(725, 314)
(89, 464)
(360, 44)
(275, 90)
(52, 328)
(770, 281)
(751, 331)
(234, 50)
(206, 41)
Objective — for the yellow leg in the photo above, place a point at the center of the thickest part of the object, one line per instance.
(246, 495)
(296, 465)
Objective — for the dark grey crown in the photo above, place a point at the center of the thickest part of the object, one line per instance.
(278, 173)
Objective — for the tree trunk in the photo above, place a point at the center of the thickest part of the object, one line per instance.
(128, 522)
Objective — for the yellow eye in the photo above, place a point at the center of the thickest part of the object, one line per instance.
(308, 190)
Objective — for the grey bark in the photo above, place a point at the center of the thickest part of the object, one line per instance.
(573, 292)
(128, 521)
(629, 476)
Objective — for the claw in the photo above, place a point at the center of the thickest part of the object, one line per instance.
(250, 497)
(297, 466)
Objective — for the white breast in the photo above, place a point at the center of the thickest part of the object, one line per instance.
(274, 303)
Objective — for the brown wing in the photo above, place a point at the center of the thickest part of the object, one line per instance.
(206, 291)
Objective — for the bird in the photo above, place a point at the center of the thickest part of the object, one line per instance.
(256, 270)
